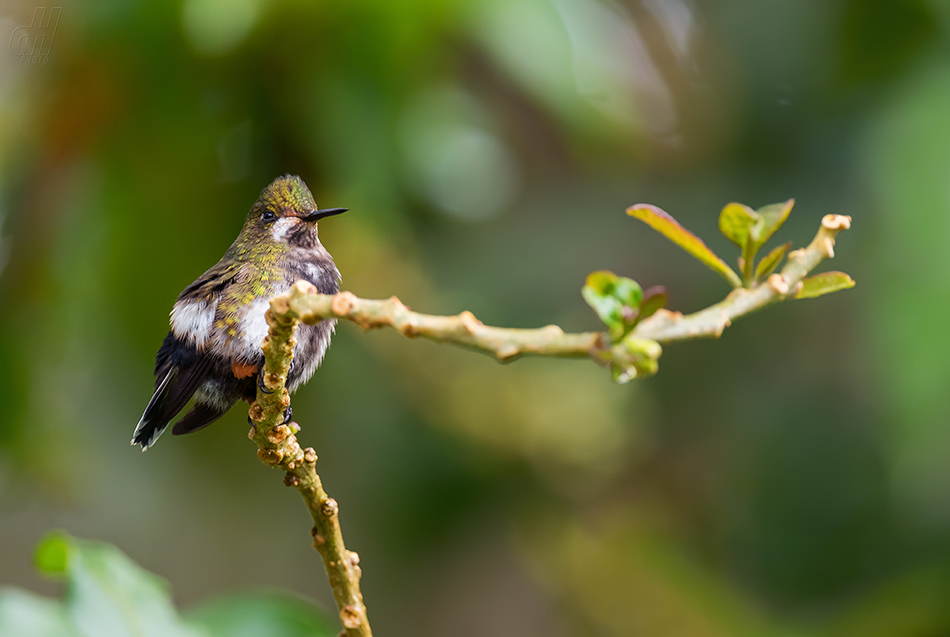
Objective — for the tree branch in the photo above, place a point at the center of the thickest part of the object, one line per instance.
(634, 355)
(637, 352)
(278, 447)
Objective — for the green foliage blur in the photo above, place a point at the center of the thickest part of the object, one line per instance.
(107, 595)
(787, 479)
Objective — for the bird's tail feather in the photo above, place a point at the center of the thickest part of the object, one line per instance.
(198, 418)
(175, 390)
(149, 428)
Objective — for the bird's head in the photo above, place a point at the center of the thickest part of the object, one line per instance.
(286, 213)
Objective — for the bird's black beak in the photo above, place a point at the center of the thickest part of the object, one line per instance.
(326, 212)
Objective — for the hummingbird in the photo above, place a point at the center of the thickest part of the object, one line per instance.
(212, 352)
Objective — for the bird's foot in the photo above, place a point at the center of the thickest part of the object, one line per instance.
(260, 383)
(288, 415)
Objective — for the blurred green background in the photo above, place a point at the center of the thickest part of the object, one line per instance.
(788, 479)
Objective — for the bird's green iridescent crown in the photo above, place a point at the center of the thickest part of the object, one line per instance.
(288, 191)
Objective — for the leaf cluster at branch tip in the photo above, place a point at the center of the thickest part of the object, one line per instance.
(747, 228)
(620, 302)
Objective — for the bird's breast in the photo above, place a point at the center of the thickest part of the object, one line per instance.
(233, 324)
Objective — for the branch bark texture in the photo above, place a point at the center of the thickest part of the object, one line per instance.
(278, 447)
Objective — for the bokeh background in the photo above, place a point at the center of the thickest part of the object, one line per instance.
(790, 478)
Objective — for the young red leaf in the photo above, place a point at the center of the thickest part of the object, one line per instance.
(653, 299)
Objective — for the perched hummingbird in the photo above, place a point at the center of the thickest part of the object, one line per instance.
(213, 351)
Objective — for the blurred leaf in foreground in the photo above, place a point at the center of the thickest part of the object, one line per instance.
(23, 614)
(261, 613)
(107, 594)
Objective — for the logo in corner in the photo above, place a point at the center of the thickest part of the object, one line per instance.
(32, 43)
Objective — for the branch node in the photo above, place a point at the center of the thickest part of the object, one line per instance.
(507, 352)
(278, 434)
(305, 287)
(828, 244)
(309, 455)
(350, 616)
(318, 540)
(256, 412)
(408, 329)
(469, 322)
(795, 255)
(280, 304)
(778, 283)
(721, 325)
(291, 480)
(354, 557)
(397, 305)
(343, 303)
(272, 381)
(270, 457)
(329, 508)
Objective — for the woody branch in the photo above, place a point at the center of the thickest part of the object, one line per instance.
(278, 446)
(640, 348)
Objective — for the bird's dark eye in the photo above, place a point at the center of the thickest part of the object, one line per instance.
(268, 216)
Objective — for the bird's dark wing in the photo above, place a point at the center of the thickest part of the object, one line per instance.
(182, 370)
(198, 418)
(212, 283)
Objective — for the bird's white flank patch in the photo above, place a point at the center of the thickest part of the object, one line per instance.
(281, 226)
(254, 325)
(315, 274)
(193, 320)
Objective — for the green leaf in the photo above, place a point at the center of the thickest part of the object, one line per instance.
(824, 283)
(107, 593)
(23, 614)
(616, 300)
(736, 222)
(52, 554)
(773, 216)
(771, 261)
(666, 225)
(261, 613)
